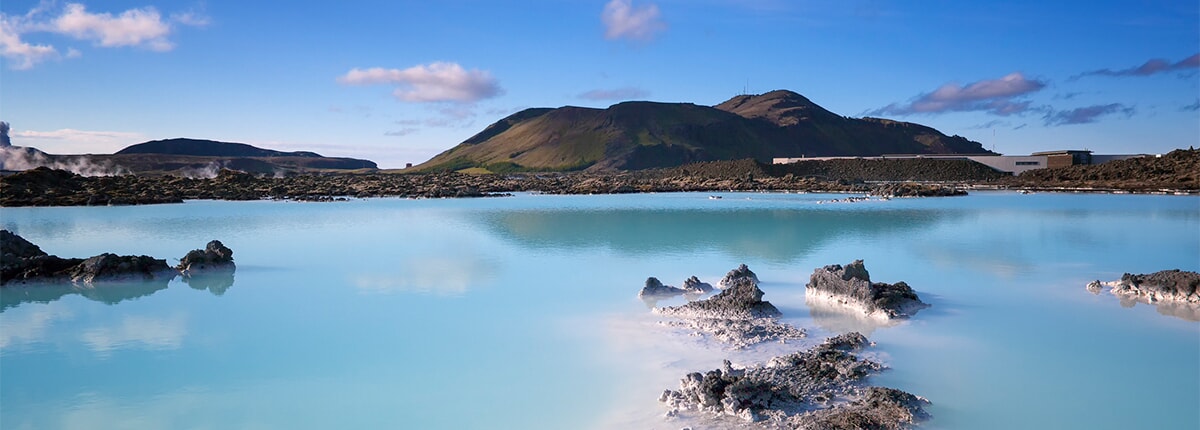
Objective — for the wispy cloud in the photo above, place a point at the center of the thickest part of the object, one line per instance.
(625, 93)
(1085, 115)
(139, 27)
(1192, 107)
(1150, 67)
(990, 124)
(622, 20)
(434, 82)
(135, 27)
(401, 132)
(72, 134)
(995, 96)
(21, 55)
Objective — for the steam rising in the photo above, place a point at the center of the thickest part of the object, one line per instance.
(17, 158)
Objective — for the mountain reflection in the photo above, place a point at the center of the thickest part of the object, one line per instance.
(773, 234)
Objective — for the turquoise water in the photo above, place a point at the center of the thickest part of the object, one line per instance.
(522, 312)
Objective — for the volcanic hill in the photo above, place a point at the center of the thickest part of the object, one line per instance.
(639, 135)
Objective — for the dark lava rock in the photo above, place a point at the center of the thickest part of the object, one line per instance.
(120, 267)
(737, 316)
(1173, 292)
(878, 408)
(214, 255)
(797, 388)
(655, 288)
(740, 275)
(851, 285)
(742, 301)
(23, 261)
(693, 285)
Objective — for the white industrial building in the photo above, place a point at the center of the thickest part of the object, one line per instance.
(1014, 164)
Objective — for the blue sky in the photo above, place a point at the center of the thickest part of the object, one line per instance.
(397, 81)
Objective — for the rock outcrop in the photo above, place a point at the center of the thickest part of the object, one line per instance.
(738, 276)
(693, 285)
(655, 288)
(112, 267)
(800, 390)
(737, 316)
(851, 286)
(739, 302)
(214, 255)
(1174, 292)
(24, 262)
(21, 260)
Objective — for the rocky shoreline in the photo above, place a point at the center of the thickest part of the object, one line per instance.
(1177, 172)
(47, 187)
(1174, 292)
(820, 387)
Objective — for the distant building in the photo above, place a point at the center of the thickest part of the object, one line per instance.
(1014, 164)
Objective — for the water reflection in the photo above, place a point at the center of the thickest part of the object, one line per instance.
(216, 280)
(1179, 310)
(779, 235)
(840, 318)
(110, 292)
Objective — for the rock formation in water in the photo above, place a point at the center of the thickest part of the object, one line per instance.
(693, 285)
(851, 286)
(737, 316)
(1173, 292)
(214, 255)
(113, 267)
(655, 288)
(21, 260)
(739, 302)
(741, 274)
(25, 262)
(806, 389)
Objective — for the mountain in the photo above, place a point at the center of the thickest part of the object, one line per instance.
(207, 148)
(186, 157)
(640, 135)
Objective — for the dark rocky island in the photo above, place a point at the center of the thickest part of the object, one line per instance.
(851, 286)
(822, 387)
(22, 262)
(1173, 292)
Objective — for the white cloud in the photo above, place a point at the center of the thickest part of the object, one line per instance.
(441, 275)
(72, 134)
(71, 141)
(27, 326)
(134, 27)
(137, 332)
(995, 96)
(138, 27)
(434, 82)
(21, 55)
(623, 20)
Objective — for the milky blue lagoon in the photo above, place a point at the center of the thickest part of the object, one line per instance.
(522, 312)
